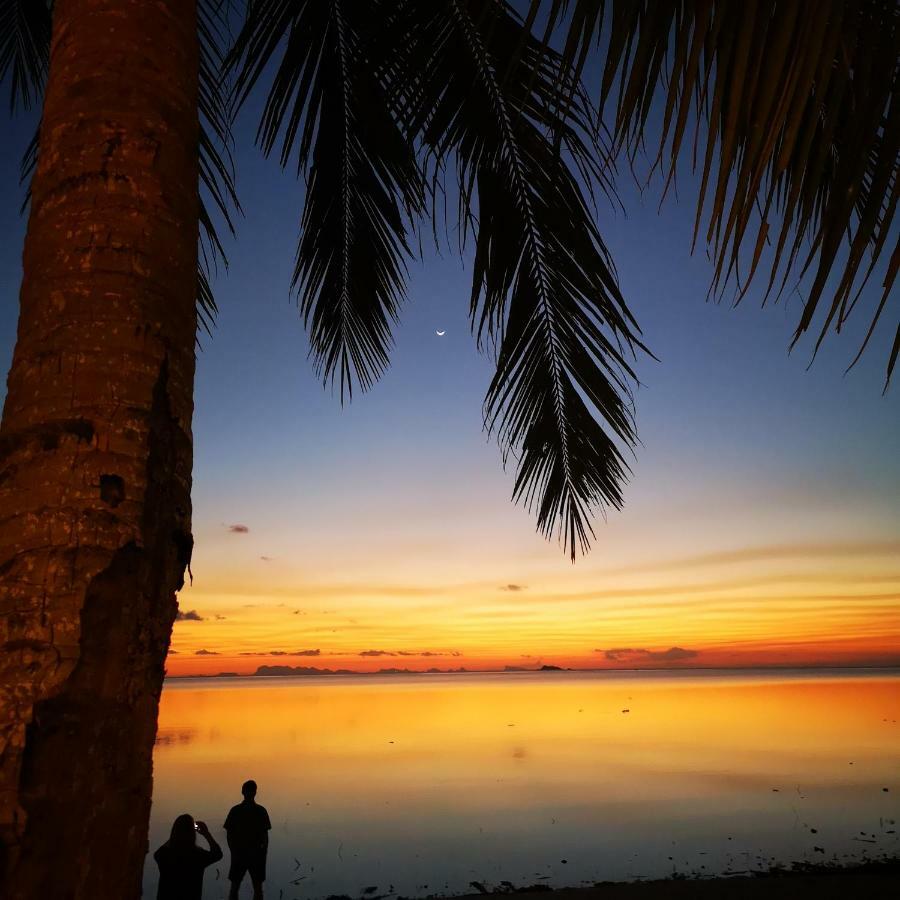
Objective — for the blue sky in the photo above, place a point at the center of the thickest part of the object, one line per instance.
(741, 445)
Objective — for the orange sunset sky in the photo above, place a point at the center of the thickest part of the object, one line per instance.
(784, 604)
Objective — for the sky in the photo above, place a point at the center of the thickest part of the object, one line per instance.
(761, 522)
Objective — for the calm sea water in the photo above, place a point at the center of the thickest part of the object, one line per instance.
(413, 785)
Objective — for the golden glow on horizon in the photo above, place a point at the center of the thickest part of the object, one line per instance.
(805, 604)
(346, 740)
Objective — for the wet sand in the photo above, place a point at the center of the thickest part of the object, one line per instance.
(873, 881)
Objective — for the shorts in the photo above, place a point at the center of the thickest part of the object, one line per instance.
(254, 863)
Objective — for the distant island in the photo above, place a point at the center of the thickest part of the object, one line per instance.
(293, 671)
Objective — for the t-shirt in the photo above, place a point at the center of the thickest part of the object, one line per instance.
(181, 871)
(247, 825)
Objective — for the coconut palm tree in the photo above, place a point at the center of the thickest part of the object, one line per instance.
(95, 443)
(394, 111)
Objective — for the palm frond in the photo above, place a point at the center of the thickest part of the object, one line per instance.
(24, 49)
(218, 193)
(327, 107)
(799, 100)
(482, 91)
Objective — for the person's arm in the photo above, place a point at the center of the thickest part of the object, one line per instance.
(214, 849)
(229, 824)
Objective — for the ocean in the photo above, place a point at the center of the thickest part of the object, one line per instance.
(412, 785)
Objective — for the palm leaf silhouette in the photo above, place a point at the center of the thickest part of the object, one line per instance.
(24, 49)
(405, 90)
(799, 173)
(544, 288)
(327, 105)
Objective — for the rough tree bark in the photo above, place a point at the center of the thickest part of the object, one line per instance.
(95, 448)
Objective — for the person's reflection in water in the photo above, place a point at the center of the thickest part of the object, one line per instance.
(182, 863)
(247, 827)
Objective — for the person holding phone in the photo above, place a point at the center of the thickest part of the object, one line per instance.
(182, 863)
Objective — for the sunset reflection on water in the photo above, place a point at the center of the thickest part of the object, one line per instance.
(422, 784)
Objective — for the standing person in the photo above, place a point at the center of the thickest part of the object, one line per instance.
(247, 827)
(182, 863)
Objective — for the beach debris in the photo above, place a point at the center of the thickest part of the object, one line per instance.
(564, 861)
(370, 889)
(296, 863)
(478, 887)
(775, 791)
(818, 849)
(814, 830)
(885, 790)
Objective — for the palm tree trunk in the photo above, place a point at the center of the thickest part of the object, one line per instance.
(95, 447)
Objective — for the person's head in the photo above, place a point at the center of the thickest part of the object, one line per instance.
(248, 789)
(183, 835)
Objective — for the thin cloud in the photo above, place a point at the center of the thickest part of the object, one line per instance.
(513, 587)
(190, 615)
(173, 652)
(267, 558)
(220, 618)
(206, 653)
(238, 529)
(768, 552)
(315, 652)
(418, 653)
(641, 654)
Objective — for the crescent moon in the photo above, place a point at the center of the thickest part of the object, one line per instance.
(440, 333)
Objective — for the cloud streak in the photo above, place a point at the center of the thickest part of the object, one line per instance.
(410, 653)
(237, 528)
(190, 615)
(641, 654)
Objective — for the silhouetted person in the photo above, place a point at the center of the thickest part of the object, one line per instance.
(182, 863)
(247, 827)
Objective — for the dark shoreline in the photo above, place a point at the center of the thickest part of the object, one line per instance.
(867, 881)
